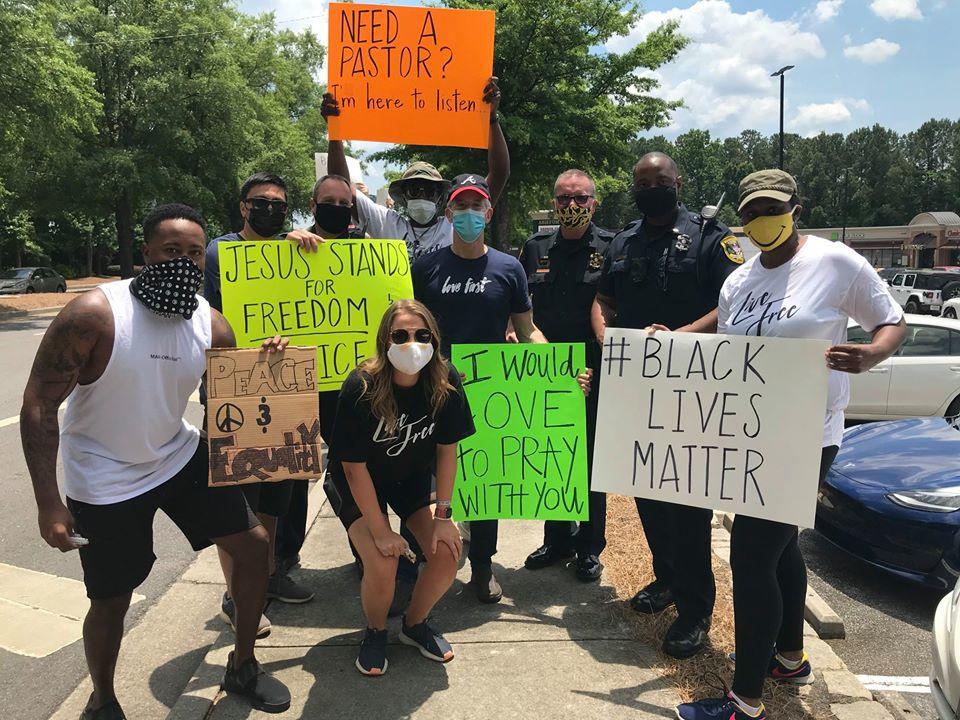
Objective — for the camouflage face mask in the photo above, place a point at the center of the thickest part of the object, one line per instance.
(574, 217)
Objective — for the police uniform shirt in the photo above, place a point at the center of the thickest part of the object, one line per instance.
(671, 275)
(563, 276)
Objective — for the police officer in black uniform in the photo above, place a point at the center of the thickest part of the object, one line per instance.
(667, 269)
(563, 267)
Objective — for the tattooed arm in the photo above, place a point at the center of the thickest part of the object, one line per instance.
(75, 348)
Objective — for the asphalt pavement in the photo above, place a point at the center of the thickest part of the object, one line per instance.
(33, 688)
(888, 620)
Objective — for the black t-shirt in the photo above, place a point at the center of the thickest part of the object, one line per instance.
(359, 436)
(472, 300)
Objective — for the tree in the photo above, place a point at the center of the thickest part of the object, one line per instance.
(49, 105)
(195, 95)
(564, 103)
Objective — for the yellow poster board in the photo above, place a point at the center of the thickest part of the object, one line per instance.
(332, 299)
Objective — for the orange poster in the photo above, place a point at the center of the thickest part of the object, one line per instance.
(411, 75)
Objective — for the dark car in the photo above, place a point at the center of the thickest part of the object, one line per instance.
(892, 498)
(31, 280)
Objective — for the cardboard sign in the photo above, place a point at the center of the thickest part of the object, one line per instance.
(714, 421)
(528, 458)
(412, 75)
(263, 416)
(332, 299)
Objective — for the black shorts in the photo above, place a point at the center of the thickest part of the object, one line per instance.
(270, 498)
(120, 554)
(404, 497)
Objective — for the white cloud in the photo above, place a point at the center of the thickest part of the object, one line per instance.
(897, 9)
(875, 51)
(816, 117)
(723, 75)
(827, 9)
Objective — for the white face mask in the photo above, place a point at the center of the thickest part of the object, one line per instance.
(410, 358)
(422, 211)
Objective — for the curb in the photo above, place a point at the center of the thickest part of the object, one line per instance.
(201, 694)
(849, 699)
(827, 623)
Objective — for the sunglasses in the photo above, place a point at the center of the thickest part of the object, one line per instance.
(564, 200)
(274, 206)
(402, 335)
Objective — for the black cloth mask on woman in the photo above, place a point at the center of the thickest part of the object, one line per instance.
(169, 288)
(332, 218)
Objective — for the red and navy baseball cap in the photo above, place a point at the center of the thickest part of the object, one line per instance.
(467, 182)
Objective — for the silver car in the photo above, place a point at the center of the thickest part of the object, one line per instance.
(31, 280)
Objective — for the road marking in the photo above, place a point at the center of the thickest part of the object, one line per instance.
(40, 613)
(195, 398)
(895, 683)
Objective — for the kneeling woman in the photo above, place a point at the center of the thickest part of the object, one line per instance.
(400, 414)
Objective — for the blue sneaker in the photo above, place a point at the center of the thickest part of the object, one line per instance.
(372, 658)
(429, 642)
(725, 708)
(776, 670)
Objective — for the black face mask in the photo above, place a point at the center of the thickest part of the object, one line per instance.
(169, 288)
(266, 223)
(655, 202)
(332, 218)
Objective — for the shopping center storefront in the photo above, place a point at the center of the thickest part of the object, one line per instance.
(932, 239)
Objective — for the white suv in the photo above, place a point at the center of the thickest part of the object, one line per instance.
(924, 291)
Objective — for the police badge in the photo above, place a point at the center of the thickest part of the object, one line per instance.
(596, 262)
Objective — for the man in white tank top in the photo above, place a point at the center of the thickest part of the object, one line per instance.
(127, 357)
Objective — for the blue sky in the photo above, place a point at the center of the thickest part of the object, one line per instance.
(858, 62)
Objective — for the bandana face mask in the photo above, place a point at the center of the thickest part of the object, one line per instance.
(169, 288)
(574, 217)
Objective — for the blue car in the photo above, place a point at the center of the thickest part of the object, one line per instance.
(892, 498)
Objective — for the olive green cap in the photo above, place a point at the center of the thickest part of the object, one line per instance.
(418, 171)
(775, 184)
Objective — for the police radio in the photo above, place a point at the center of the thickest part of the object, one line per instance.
(709, 213)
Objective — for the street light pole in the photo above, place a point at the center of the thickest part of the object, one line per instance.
(780, 73)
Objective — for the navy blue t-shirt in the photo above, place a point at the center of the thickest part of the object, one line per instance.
(211, 268)
(473, 299)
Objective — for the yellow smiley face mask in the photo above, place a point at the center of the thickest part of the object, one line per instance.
(769, 232)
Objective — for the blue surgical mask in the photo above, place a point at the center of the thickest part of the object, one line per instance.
(469, 224)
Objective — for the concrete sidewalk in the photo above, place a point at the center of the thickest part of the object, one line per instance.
(554, 647)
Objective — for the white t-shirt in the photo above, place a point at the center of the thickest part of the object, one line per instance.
(812, 296)
(382, 223)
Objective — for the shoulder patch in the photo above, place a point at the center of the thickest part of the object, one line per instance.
(731, 248)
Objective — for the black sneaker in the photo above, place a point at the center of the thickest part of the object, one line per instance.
(372, 658)
(228, 613)
(110, 711)
(262, 689)
(429, 642)
(282, 588)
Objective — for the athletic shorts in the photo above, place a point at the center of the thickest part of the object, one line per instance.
(270, 498)
(404, 497)
(120, 554)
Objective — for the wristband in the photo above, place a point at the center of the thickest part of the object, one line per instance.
(495, 118)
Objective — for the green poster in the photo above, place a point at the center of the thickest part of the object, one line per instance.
(333, 298)
(528, 458)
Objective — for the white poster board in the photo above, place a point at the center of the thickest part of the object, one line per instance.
(353, 165)
(722, 422)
